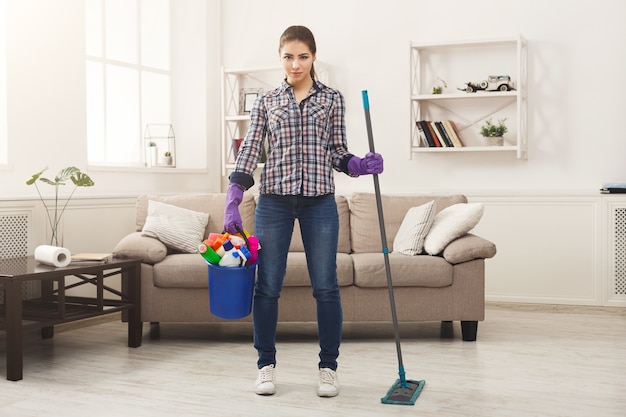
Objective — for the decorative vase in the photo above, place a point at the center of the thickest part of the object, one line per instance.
(494, 140)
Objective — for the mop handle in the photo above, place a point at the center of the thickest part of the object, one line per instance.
(383, 237)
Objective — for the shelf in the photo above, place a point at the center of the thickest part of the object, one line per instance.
(465, 149)
(460, 63)
(466, 96)
(467, 44)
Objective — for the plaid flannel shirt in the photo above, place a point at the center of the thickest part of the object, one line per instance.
(305, 142)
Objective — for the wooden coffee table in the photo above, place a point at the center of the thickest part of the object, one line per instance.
(54, 306)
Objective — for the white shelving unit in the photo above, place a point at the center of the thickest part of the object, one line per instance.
(239, 87)
(457, 63)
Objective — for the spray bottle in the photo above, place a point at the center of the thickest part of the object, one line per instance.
(232, 257)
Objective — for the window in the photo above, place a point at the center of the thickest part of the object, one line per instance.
(4, 158)
(128, 77)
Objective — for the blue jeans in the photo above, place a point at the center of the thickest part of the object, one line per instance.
(319, 225)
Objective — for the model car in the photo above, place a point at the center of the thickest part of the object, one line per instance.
(492, 83)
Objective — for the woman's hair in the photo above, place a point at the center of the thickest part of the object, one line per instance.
(302, 34)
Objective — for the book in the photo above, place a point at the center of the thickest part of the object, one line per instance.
(431, 129)
(423, 140)
(613, 188)
(432, 141)
(452, 133)
(433, 126)
(92, 257)
(456, 131)
(444, 134)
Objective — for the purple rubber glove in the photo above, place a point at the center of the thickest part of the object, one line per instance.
(371, 163)
(232, 218)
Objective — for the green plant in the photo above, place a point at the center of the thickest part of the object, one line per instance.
(80, 179)
(168, 153)
(152, 144)
(494, 130)
(439, 86)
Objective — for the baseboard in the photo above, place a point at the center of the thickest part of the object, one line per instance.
(555, 308)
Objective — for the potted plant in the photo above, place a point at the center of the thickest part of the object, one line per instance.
(439, 86)
(167, 158)
(80, 179)
(493, 132)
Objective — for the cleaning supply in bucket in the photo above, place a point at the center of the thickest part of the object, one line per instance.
(232, 257)
(231, 278)
(208, 253)
(253, 247)
(229, 250)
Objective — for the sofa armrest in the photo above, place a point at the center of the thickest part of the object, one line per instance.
(468, 247)
(134, 245)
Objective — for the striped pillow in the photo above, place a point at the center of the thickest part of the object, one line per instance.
(415, 226)
(178, 228)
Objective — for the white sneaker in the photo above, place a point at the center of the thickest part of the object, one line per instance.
(329, 384)
(266, 381)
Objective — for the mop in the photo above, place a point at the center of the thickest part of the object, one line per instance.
(403, 391)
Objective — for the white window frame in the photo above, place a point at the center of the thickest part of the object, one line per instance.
(136, 148)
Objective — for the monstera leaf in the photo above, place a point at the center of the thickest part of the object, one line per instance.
(78, 178)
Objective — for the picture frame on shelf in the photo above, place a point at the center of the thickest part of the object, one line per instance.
(247, 97)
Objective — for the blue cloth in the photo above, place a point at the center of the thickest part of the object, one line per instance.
(319, 225)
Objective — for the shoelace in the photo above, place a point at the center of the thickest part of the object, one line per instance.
(327, 377)
(266, 374)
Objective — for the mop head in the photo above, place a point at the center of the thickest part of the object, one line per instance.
(406, 395)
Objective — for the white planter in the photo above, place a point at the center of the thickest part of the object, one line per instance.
(494, 141)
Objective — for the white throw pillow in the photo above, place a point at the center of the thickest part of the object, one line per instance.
(452, 223)
(178, 228)
(416, 223)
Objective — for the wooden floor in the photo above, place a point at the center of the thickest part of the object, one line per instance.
(534, 361)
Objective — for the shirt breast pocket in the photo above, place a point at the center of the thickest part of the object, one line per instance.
(318, 121)
(278, 119)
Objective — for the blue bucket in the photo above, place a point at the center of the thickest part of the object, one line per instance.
(230, 291)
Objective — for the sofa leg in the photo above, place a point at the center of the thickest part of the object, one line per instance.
(468, 330)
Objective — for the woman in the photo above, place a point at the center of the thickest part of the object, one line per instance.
(304, 123)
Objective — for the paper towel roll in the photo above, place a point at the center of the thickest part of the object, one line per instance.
(53, 255)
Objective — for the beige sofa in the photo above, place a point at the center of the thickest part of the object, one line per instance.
(447, 287)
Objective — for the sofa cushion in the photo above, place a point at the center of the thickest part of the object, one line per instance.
(452, 223)
(181, 270)
(178, 228)
(298, 274)
(364, 226)
(344, 229)
(134, 245)
(406, 271)
(416, 223)
(208, 203)
(191, 271)
(467, 248)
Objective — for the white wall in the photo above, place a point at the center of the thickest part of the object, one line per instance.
(577, 57)
(576, 62)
